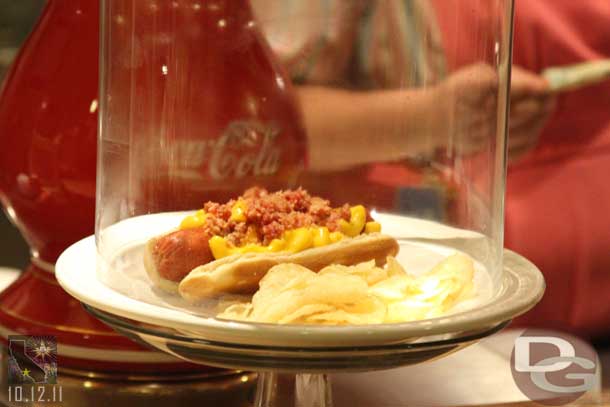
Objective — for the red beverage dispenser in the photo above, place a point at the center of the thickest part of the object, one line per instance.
(242, 123)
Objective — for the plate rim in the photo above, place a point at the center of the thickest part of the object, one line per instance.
(520, 276)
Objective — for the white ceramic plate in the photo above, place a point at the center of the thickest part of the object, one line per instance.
(519, 287)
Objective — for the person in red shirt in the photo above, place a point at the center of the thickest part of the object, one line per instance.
(558, 194)
(559, 144)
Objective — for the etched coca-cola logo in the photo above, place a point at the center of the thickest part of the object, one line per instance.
(245, 148)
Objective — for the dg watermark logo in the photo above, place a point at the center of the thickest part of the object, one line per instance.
(553, 369)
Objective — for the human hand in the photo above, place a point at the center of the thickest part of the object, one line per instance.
(467, 101)
(530, 108)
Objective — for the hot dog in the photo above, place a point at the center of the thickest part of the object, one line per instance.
(169, 258)
(228, 248)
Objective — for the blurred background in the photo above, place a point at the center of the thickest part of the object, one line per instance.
(16, 20)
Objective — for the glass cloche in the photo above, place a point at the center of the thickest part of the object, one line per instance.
(240, 135)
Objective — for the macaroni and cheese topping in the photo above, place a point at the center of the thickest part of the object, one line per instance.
(293, 220)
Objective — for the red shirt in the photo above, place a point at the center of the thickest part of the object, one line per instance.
(558, 198)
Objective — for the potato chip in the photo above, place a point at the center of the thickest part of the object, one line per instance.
(394, 268)
(285, 277)
(335, 289)
(391, 289)
(370, 311)
(356, 295)
(338, 317)
(367, 271)
(237, 311)
(302, 313)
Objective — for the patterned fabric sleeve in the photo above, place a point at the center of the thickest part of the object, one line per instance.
(355, 43)
(400, 45)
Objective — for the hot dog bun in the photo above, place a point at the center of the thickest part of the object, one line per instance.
(240, 274)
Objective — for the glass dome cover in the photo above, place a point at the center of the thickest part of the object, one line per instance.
(239, 138)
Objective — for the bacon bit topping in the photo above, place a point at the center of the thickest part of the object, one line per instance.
(268, 215)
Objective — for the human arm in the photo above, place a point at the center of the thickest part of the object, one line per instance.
(354, 127)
